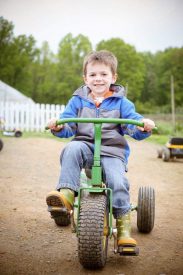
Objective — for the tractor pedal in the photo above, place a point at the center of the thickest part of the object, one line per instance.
(128, 250)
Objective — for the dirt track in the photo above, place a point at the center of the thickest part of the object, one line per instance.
(31, 243)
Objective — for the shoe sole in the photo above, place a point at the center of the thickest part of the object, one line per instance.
(55, 201)
(56, 206)
(58, 211)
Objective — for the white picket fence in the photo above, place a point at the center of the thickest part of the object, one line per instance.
(27, 117)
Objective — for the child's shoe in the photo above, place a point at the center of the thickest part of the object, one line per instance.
(123, 225)
(60, 203)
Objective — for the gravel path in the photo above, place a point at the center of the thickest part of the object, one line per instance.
(31, 243)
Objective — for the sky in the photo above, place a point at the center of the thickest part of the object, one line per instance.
(148, 25)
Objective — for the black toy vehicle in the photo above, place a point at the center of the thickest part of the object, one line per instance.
(172, 150)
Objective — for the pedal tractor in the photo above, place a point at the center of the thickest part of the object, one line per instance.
(173, 149)
(91, 218)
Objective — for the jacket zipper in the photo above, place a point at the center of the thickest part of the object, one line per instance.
(97, 112)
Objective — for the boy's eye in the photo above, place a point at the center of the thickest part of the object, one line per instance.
(103, 74)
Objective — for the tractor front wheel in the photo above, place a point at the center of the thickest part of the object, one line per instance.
(93, 230)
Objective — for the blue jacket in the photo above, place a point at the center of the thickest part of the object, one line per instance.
(116, 106)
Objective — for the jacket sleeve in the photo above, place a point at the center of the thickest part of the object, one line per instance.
(128, 112)
(71, 111)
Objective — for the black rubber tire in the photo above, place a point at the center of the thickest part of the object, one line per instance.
(18, 134)
(165, 154)
(93, 222)
(159, 153)
(146, 209)
(1, 144)
(62, 220)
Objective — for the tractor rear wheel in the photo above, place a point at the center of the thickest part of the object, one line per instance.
(93, 230)
(146, 209)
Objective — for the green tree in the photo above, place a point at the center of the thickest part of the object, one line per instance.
(23, 54)
(43, 76)
(17, 53)
(167, 63)
(6, 36)
(147, 98)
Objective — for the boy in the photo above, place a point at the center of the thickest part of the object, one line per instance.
(99, 97)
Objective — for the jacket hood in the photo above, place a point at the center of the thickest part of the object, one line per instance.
(118, 91)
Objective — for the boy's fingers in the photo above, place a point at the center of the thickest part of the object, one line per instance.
(57, 128)
(140, 128)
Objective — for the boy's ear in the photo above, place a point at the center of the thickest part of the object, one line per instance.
(84, 78)
(115, 76)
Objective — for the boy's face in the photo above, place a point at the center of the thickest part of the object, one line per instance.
(98, 78)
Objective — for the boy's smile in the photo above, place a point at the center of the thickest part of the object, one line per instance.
(98, 78)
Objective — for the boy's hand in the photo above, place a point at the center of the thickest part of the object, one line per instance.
(52, 125)
(148, 125)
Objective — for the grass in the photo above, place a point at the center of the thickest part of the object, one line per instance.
(158, 139)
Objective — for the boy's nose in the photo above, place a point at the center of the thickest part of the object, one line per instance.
(98, 77)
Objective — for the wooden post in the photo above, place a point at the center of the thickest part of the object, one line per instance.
(173, 103)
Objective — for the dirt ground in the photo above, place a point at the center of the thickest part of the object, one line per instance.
(31, 243)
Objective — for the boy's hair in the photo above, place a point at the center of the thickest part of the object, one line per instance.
(104, 57)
